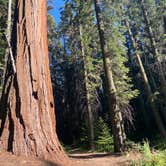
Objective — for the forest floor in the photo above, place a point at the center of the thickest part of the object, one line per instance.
(103, 159)
(78, 159)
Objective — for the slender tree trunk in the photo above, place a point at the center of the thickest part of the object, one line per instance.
(153, 45)
(27, 105)
(8, 36)
(88, 104)
(116, 116)
(164, 24)
(155, 54)
(147, 85)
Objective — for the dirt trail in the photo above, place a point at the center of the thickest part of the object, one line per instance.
(7, 159)
(103, 159)
(78, 159)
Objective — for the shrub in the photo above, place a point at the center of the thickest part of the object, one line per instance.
(103, 141)
(151, 158)
(84, 136)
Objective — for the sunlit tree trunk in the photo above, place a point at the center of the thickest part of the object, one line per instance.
(146, 83)
(153, 44)
(116, 116)
(155, 53)
(8, 36)
(27, 106)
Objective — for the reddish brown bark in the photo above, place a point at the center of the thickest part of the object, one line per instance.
(27, 105)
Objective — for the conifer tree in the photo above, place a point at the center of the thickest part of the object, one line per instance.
(115, 113)
(113, 31)
(146, 82)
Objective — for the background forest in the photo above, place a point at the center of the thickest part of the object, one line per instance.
(107, 63)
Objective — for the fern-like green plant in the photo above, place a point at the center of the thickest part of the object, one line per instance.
(149, 158)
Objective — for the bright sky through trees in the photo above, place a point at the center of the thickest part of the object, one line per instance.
(57, 4)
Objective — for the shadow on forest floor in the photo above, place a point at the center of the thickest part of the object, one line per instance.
(103, 159)
(94, 155)
(48, 163)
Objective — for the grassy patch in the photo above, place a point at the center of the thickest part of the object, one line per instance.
(150, 157)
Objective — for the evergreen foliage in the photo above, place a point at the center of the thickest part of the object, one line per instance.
(151, 158)
(116, 41)
(84, 136)
(85, 98)
(68, 65)
(104, 140)
(103, 137)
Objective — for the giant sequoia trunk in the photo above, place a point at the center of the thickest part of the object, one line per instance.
(27, 106)
(116, 116)
(146, 83)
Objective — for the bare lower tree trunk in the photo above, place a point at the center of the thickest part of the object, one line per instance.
(146, 83)
(88, 104)
(27, 106)
(116, 116)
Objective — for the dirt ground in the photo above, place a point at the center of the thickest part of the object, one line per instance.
(103, 159)
(82, 159)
